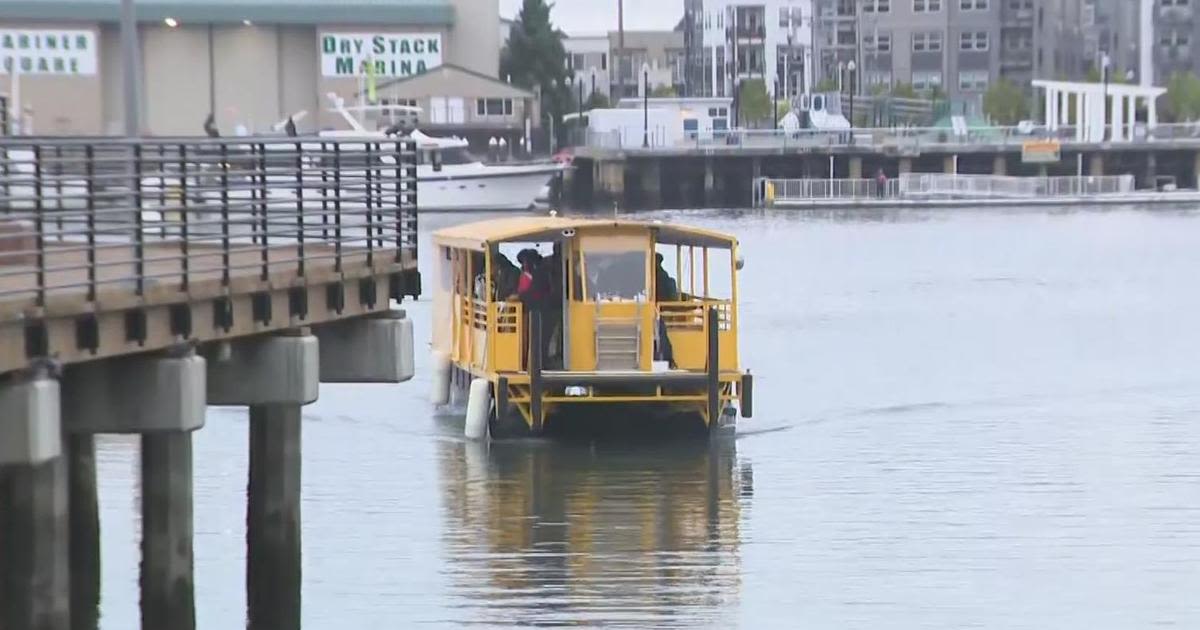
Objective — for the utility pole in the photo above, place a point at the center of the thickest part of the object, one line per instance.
(621, 47)
(131, 69)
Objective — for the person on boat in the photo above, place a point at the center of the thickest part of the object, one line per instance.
(505, 276)
(665, 290)
(533, 291)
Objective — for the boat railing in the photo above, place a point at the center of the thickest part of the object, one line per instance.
(691, 314)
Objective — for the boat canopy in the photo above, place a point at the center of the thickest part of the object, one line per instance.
(478, 235)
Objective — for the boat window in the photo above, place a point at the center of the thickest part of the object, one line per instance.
(615, 275)
(457, 155)
(451, 155)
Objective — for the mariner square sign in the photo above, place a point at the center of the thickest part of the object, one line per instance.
(391, 54)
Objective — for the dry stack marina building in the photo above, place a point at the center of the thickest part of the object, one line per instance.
(253, 63)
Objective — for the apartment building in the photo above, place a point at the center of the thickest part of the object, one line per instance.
(730, 41)
(1174, 38)
(952, 46)
(636, 54)
(587, 61)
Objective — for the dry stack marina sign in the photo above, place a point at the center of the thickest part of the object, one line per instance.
(47, 51)
(391, 54)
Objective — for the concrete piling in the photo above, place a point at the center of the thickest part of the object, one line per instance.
(34, 572)
(84, 539)
(34, 576)
(273, 518)
(167, 580)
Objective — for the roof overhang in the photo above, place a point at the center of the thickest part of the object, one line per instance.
(477, 236)
(1100, 89)
(311, 12)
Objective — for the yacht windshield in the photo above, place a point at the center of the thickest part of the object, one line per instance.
(450, 156)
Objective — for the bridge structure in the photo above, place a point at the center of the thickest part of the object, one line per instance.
(144, 280)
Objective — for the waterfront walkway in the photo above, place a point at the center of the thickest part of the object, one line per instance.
(140, 282)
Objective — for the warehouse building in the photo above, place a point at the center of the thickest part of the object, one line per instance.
(252, 63)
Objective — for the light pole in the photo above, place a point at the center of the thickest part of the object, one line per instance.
(1105, 62)
(851, 67)
(645, 106)
(130, 62)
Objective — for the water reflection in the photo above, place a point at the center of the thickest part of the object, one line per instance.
(563, 534)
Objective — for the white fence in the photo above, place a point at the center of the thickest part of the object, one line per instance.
(935, 185)
(911, 139)
(917, 186)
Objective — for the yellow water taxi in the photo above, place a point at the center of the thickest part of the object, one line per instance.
(540, 319)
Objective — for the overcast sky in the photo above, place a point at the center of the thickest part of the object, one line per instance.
(600, 16)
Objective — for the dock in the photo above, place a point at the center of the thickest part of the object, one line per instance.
(142, 281)
(933, 191)
(719, 170)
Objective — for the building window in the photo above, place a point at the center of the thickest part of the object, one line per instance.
(1175, 3)
(494, 107)
(883, 45)
(973, 40)
(1175, 39)
(927, 6)
(973, 5)
(927, 42)
(877, 6)
(926, 80)
(578, 61)
(1018, 5)
(785, 17)
(973, 80)
(878, 78)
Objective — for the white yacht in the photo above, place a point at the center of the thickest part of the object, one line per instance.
(449, 177)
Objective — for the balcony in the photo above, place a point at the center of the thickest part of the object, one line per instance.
(1021, 18)
(1016, 59)
(1175, 15)
(751, 31)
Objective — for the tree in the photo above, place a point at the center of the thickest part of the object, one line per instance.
(1183, 97)
(663, 91)
(1005, 103)
(754, 105)
(598, 100)
(826, 85)
(534, 58)
(904, 90)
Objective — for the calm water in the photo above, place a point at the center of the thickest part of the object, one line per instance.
(964, 419)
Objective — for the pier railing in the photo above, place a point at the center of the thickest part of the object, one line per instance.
(110, 220)
(903, 139)
(925, 186)
(932, 185)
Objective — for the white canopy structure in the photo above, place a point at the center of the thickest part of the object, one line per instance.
(1092, 117)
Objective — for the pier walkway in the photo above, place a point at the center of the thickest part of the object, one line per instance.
(140, 282)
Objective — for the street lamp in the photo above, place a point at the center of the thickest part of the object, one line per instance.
(851, 67)
(1105, 62)
(775, 106)
(645, 106)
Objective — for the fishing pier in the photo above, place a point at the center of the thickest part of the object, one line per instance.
(142, 281)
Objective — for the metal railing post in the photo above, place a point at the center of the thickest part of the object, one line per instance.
(401, 188)
(58, 190)
(224, 215)
(324, 192)
(337, 207)
(139, 248)
(368, 188)
(184, 235)
(39, 219)
(300, 209)
(89, 166)
(261, 166)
